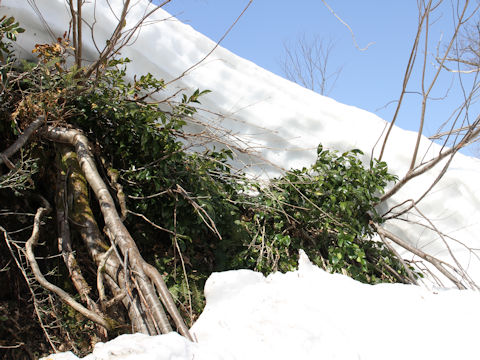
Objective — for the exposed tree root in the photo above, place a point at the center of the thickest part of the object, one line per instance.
(64, 296)
(139, 278)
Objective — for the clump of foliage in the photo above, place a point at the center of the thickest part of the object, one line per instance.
(187, 213)
(328, 210)
(9, 28)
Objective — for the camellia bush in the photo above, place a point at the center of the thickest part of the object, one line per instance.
(112, 224)
(328, 210)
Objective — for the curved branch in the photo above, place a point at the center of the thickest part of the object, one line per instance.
(65, 242)
(64, 296)
(411, 275)
(406, 79)
(432, 260)
(348, 27)
(28, 280)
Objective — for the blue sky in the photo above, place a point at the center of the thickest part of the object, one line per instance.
(370, 79)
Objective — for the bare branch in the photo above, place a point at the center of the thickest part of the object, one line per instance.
(348, 27)
(439, 265)
(406, 79)
(426, 93)
(200, 211)
(166, 297)
(215, 47)
(22, 140)
(107, 51)
(411, 276)
(64, 296)
(74, 19)
(422, 168)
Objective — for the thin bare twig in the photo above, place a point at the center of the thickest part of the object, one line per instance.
(348, 27)
(29, 281)
(410, 274)
(175, 239)
(214, 48)
(438, 264)
(200, 211)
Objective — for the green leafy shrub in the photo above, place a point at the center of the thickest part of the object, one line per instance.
(327, 210)
(9, 28)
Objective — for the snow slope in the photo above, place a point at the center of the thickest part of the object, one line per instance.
(280, 121)
(306, 314)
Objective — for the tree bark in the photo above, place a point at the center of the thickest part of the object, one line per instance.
(122, 238)
(64, 296)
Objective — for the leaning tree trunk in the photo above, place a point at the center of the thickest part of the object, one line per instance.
(130, 278)
(75, 208)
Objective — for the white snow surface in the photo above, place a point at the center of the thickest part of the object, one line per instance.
(308, 313)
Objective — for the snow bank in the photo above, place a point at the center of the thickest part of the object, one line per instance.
(310, 314)
(306, 314)
(280, 120)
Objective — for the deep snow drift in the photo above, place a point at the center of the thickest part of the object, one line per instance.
(308, 313)
(281, 121)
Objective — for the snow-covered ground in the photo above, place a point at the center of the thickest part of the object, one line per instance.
(308, 313)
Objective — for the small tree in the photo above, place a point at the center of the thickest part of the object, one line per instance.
(307, 62)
